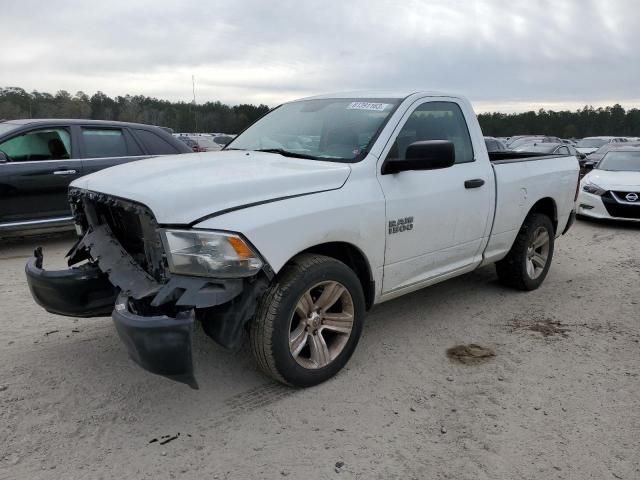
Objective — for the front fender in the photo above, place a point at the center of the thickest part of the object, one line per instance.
(355, 214)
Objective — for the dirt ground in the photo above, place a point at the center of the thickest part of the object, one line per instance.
(559, 399)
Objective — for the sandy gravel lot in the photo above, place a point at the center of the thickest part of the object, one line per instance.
(565, 405)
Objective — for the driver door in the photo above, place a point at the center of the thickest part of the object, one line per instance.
(437, 219)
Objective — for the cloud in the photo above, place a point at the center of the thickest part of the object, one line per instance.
(501, 53)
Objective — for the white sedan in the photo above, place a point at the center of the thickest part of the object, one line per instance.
(612, 189)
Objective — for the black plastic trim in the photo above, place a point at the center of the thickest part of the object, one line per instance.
(82, 291)
(572, 219)
(160, 344)
(500, 158)
(225, 323)
(474, 183)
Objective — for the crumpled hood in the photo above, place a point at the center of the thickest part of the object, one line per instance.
(615, 180)
(180, 189)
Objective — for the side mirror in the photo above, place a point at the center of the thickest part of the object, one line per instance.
(582, 156)
(425, 155)
(3, 157)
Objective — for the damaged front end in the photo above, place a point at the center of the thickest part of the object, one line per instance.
(120, 266)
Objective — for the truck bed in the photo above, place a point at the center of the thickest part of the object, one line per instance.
(520, 181)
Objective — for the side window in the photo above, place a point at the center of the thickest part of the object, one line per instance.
(435, 121)
(43, 144)
(104, 142)
(563, 151)
(154, 144)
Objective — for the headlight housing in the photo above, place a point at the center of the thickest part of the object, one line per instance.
(209, 254)
(593, 189)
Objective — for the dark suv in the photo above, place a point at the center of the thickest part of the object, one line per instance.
(39, 158)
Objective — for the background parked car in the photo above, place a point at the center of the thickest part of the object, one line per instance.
(592, 160)
(39, 158)
(204, 142)
(591, 144)
(554, 149)
(494, 144)
(523, 140)
(612, 189)
(192, 144)
(551, 149)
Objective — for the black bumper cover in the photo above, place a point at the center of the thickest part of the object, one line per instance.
(82, 291)
(159, 344)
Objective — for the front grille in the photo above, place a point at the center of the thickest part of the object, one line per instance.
(619, 209)
(623, 196)
(133, 226)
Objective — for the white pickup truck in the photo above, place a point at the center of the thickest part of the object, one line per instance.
(321, 209)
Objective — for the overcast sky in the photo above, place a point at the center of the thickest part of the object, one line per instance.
(507, 55)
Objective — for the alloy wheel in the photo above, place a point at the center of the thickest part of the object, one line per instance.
(321, 325)
(538, 253)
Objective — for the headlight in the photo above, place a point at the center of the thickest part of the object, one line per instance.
(593, 189)
(209, 254)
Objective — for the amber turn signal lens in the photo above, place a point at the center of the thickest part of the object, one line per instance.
(240, 247)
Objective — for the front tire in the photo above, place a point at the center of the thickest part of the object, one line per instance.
(309, 321)
(526, 265)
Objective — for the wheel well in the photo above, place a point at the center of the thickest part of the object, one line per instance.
(547, 206)
(353, 257)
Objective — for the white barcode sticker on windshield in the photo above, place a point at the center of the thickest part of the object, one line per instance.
(376, 107)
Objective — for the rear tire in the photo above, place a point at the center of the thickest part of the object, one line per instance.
(526, 265)
(309, 321)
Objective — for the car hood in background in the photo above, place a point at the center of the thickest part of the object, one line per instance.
(585, 150)
(615, 180)
(181, 189)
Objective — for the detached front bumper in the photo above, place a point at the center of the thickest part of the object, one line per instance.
(158, 343)
(82, 291)
(157, 330)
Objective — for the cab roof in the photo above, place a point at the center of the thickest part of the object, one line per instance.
(380, 94)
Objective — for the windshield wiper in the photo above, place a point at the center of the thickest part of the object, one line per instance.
(287, 153)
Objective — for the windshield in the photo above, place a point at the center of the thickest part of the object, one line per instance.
(7, 127)
(591, 143)
(621, 162)
(326, 129)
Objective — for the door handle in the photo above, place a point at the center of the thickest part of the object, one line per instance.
(475, 183)
(64, 172)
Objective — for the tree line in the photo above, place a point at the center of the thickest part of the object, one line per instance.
(586, 122)
(217, 117)
(180, 116)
